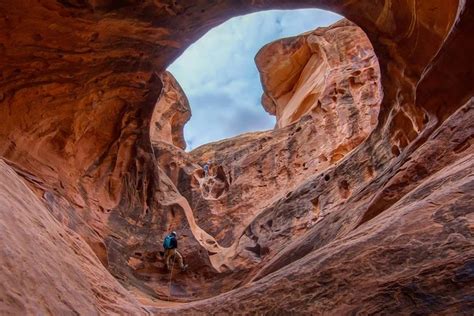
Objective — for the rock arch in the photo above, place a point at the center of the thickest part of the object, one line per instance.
(79, 81)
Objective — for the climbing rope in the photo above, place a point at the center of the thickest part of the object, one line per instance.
(171, 273)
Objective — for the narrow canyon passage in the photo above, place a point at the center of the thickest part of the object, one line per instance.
(359, 201)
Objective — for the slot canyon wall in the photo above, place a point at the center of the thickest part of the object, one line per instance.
(360, 201)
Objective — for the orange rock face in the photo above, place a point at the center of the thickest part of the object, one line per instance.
(319, 71)
(170, 114)
(360, 201)
(45, 267)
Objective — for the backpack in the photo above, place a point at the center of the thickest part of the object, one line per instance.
(167, 243)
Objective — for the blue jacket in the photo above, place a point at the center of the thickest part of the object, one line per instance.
(173, 242)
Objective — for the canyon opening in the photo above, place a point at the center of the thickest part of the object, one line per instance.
(219, 76)
(358, 200)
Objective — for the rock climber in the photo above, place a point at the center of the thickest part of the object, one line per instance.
(206, 168)
(171, 252)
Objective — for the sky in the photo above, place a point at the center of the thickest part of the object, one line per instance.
(219, 76)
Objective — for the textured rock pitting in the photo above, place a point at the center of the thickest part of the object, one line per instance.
(385, 227)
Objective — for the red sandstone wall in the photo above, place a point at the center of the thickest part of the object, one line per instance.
(79, 84)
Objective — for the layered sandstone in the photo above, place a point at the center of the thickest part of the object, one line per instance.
(386, 227)
(414, 247)
(315, 73)
(45, 267)
(171, 112)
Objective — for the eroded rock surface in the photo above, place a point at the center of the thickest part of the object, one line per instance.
(47, 268)
(328, 71)
(170, 114)
(250, 174)
(386, 226)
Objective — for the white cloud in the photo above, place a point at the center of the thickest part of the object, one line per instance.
(219, 76)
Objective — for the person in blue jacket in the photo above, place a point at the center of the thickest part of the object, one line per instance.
(171, 244)
(206, 167)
